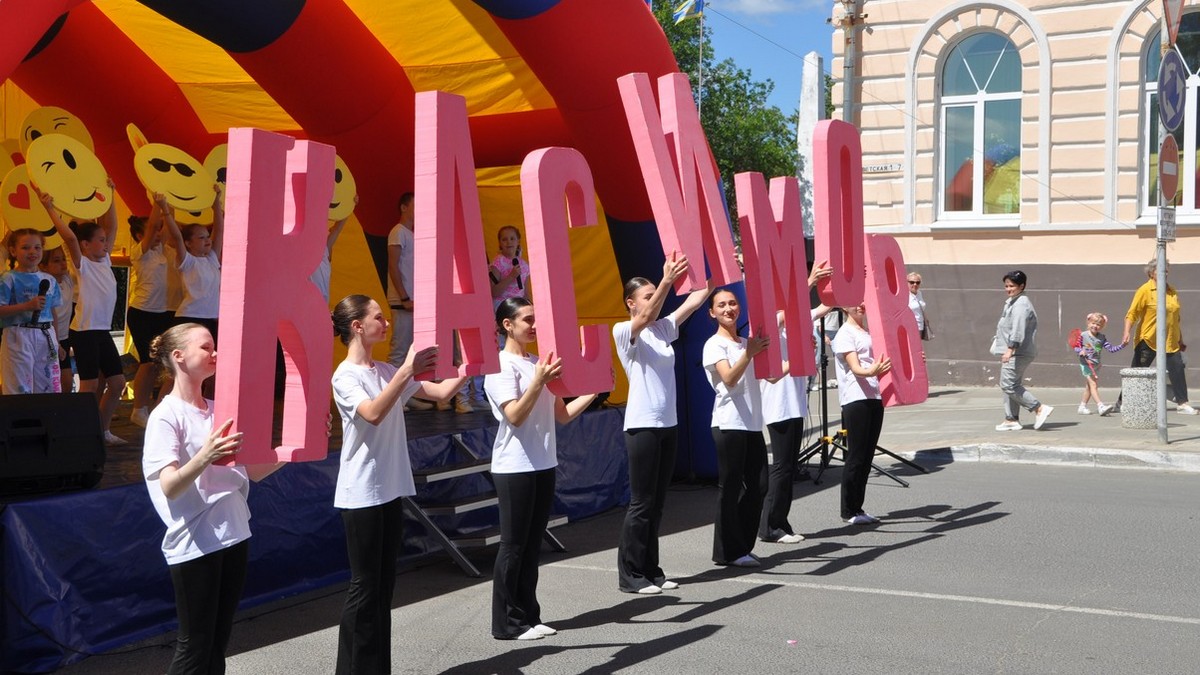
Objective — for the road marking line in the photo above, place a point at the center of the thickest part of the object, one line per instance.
(1094, 611)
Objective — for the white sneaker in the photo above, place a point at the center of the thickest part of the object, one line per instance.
(650, 590)
(139, 417)
(870, 517)
(746, 561)
(531, 634)
(112, 439)
(668, 585)
(1042, 413)
(860, 519)
(1084, 410)
(1105, 410)
(544, 629)
(1186, 409)
(1009, 425)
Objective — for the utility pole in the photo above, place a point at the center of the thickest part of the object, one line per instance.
(846, 16)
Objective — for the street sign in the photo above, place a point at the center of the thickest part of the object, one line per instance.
(1168, 169)
(1172, 89)
(1173, 13)
(1166, 223)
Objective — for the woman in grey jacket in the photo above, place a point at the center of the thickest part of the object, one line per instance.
(1016, 345)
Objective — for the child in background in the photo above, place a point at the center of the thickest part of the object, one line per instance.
(54, 263)
(508, 272)
(1090, 347)
(198, 257)
(147, 315)
(28, 296)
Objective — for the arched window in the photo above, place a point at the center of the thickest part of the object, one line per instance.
(1187, 198)
(980, 125)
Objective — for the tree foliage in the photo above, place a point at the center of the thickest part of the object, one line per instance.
(744, 131)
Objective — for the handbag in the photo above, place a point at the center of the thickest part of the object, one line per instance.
(926, 331)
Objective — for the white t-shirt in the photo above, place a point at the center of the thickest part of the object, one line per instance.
(321, 276)
(786, 399)
(201, 286)
(739, 408)
(148, 278)
(374, 464)
(97, 295)
(649, 362)
(403, 237)
(174, 285)
(916, 302)
(531, 446)
(851, 387)
(211, 514)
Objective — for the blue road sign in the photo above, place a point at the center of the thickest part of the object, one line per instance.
(1172, 90)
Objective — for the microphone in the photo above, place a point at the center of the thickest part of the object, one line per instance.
(516, 262)
(43, 289)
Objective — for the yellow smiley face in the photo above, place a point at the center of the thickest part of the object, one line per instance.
(136, 138)
(53, 120)
(215, 163)
(20, 207)
(341, 204)
(70, 173)
(164, 169)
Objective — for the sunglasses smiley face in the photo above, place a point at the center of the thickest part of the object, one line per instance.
(165, 169)
(341, 204)
(53, 120)
(65, 169)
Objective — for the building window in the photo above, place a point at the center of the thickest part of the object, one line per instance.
(980, 123)
(1187, 198)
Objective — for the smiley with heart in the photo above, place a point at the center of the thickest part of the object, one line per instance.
(20, 207)
(167, 170)
(65, 169)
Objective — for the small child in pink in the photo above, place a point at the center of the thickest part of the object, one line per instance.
(509, 274)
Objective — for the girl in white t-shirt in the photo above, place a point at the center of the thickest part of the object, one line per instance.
(644, 348)
(523, 461)
(54, 263)
(198, 257)
(785, 405)
(324, 272)
(95, 354)
(147, 315)
(737, 426)
(203, 504)
(862, 409)
(374, 475)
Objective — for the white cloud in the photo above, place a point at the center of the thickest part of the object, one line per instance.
(764, 7)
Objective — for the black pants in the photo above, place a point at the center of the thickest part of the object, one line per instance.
(741, 456)
(373, 540)
(863, 421)
(1143, 357)
(525, 502)
(785, 450)
(651, 463)
(207, 591)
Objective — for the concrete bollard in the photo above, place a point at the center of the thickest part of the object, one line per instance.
(1139, 408)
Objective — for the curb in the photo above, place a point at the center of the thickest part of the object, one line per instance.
(1063, 456)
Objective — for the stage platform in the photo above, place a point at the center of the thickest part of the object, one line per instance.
(83, 572)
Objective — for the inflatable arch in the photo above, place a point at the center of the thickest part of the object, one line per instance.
(535, 73)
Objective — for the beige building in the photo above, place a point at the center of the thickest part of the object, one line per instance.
(1022, 134)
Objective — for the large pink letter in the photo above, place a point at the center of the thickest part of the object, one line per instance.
(892, 325)
(838, 211)
(681, 177)
(277, 197)
(773, 246)
(450, 282)
(556, 186)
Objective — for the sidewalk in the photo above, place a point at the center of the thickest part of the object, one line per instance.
(961, 421)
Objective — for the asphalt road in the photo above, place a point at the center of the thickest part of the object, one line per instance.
(977, 568)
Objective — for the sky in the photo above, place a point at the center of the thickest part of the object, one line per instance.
(770, 38)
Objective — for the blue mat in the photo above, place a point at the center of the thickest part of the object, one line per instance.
(84, 574)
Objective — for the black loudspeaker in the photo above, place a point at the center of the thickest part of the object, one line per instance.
(49, 442)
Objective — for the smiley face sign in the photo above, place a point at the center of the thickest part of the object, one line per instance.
(136, 138)
(53, 120)
(169, 171)
(20, 206)
(65, 169)
(341, 204)
(215, 163)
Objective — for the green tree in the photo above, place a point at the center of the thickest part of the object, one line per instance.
(744, 131)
